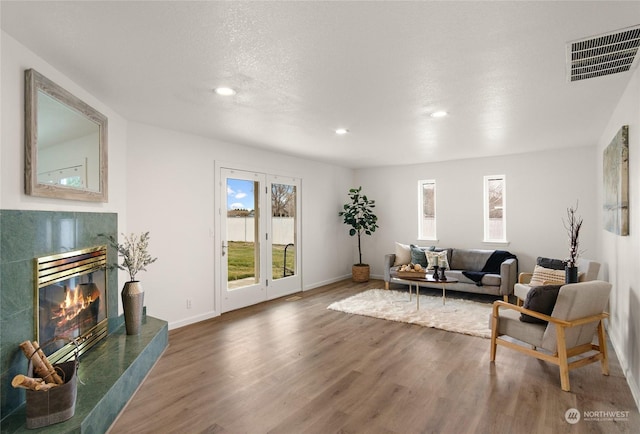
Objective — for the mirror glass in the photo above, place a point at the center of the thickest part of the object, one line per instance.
(66, 146)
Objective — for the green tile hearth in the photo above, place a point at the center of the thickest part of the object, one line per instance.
(108, 376)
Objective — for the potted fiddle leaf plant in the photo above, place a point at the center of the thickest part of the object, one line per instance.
(358, 214)
(572, 225)
(134, 252)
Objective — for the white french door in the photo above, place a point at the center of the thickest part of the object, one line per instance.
(259, 227)
(243, 230)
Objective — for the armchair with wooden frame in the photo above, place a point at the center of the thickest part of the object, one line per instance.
(577, 317)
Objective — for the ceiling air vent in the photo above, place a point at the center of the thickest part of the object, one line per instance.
(603, 54)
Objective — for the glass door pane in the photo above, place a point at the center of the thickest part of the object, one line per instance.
(283, 230)
(243, 229)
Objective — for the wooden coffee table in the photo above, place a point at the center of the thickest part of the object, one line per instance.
(411, 281)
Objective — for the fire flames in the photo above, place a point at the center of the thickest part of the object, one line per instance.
(72, 307)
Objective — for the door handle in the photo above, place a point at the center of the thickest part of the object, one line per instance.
(224, 246)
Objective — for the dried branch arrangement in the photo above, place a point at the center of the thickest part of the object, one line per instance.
(134, 253)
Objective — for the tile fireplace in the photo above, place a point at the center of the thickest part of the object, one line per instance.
(24, 236)
(116, 365)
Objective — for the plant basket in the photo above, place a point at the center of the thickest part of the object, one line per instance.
(360, 273)
(46, 407)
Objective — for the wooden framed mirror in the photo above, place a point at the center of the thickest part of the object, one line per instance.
(65, 143)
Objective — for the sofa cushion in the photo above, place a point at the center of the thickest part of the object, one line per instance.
(491, 280)
(541, 299)
(437, 258)
(469, 259)
(487, 279)
(403, 254)
(457, 274)
(418, 254)
(444, 249)
(548, 275)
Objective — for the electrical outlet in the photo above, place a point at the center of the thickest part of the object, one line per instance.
(188, 303)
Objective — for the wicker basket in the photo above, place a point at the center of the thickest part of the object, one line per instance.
(360, 273)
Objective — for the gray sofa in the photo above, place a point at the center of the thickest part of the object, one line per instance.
(461, 260)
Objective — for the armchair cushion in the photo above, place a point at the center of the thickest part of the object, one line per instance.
(511, 325)
(554, 264)
(541, 299)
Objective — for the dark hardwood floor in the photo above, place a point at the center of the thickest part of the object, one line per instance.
(292, 366)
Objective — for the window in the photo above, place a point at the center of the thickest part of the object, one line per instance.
(427, 209)
(495, 211)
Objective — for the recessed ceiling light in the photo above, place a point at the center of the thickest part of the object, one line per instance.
(439, 114)
(342, 131)
(224, 91)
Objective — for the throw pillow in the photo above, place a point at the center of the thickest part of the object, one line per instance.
(548, 275)
(554, 264)
(418, 256)
(437, 258)
(403, 254)
(541, 299)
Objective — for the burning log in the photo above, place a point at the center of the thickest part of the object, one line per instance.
(24, 382)
(41, 364)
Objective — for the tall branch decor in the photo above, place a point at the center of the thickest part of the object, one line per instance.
(572, 225)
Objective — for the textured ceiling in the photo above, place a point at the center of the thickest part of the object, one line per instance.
(303, 69)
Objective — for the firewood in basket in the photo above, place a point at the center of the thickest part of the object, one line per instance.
(56, 378)
(24, 382)
(42, 368)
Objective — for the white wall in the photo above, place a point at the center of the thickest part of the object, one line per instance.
(540, 187)
(15, 59)
(171, 191)
(619, 255)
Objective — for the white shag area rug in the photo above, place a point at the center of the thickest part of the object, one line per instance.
(460, 316)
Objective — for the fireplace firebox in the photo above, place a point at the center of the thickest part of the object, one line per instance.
(71, 297)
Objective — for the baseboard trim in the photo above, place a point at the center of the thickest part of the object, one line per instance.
(325, 282)
(631, 380)
(193, 320)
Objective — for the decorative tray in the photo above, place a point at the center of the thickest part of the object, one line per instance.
(411, 274)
